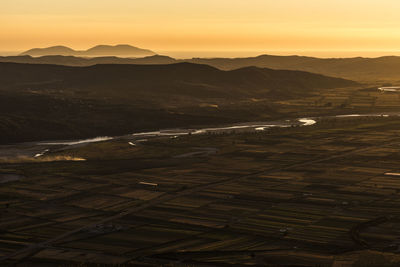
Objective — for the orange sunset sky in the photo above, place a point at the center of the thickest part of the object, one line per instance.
(313, 27)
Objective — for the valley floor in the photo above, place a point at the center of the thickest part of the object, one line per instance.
(322, 195)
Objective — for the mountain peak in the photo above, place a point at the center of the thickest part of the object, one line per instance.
(52, 50)
(102, 46)
(121, 50)
(118, 50)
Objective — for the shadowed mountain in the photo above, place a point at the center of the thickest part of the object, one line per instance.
(174, 79)
(39, 101)
(368, 69)
(81, 61)
(371, 69)
(100, 50)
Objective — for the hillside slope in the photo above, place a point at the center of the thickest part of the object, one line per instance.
(361, 69)
(182, 78)
(369, 69)
(39, 102)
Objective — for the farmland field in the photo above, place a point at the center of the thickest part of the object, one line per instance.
(303, 196)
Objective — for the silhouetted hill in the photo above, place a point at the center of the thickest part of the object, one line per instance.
(100, 50)
(372, 69)
(81, 61)
(118, 50)
(39, 101)
(53, 50)
(368, 69)
(176, 79)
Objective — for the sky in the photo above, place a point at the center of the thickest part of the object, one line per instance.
(206, 27)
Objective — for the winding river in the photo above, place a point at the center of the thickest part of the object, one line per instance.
(36, 150)
(390, 89)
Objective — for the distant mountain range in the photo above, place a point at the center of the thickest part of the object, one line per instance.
(361, 69)
(89, 61)
(99, 50)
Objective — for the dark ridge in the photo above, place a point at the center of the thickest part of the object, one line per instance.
(84, 61)
(357, 68)
(181, 78)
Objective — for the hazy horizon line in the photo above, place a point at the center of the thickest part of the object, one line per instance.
(184, 54)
